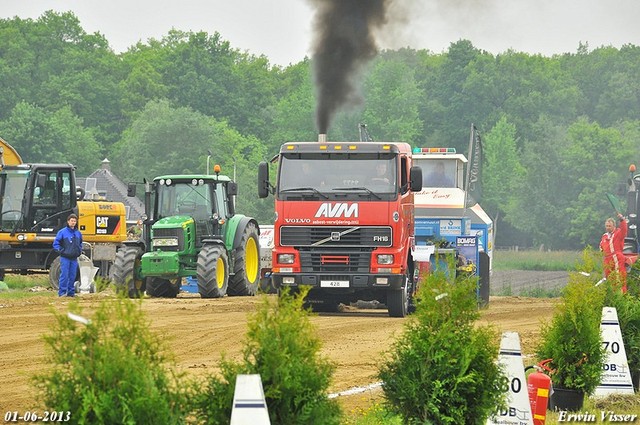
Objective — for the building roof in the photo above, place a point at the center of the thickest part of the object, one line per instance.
(103, 184)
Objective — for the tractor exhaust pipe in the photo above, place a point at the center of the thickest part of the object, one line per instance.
(322, 138)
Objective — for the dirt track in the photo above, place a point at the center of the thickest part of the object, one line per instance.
(200, 330)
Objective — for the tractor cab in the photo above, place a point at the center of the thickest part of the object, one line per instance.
(204, 203)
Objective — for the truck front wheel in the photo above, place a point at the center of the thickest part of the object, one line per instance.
(213, 271)
(123, 272)
(165, 288)
(398, 301)
(246, 269)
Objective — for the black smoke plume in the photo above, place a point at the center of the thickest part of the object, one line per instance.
(344, 42)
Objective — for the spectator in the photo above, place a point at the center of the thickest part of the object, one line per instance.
(68, 244)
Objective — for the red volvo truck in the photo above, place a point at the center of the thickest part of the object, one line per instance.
(344, 216)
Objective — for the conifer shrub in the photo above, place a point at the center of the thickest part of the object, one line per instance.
(282, 347)
(443, 368)
(113, 370)
(628, 310)
(572, 339)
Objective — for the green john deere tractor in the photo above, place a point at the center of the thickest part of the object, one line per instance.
(191, 230)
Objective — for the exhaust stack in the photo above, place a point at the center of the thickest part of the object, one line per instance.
(322, 138)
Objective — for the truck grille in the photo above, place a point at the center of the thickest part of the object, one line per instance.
(169, 233)
(335, 261)
(336, 236)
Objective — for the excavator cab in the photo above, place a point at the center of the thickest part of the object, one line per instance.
(51, 201)
(35, 197)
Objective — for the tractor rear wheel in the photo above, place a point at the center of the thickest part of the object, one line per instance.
(123, 272)
(213, 271)
(163, 288)
(246, 268)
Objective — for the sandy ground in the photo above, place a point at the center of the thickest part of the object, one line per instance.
(200, 330)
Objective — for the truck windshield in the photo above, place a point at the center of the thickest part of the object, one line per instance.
(350, 177)
(12, 196)
(437, 172)
(184, 198)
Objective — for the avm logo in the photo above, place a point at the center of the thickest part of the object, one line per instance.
(339, 209)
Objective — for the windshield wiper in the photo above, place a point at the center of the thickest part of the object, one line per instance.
(298, 189)
(369, 191)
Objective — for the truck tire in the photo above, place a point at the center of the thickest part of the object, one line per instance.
(324, 305)
(163, 288)
(123, 273)
(246, 268)
(267, 287)
(485, 279)
(398, 301)
(213, 271)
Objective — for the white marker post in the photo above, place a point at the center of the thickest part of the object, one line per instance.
(616, 376)
(249, 404)
(518, 411)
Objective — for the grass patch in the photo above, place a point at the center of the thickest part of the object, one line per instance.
(19, 294)
(20, 286)
(18, 281)
(537, 260)
(541, 292)
(376, 414)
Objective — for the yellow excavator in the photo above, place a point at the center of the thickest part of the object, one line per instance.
(35, 200)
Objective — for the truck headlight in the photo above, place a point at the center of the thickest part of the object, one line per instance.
(165, 242)
(385, 258)
(285, 258)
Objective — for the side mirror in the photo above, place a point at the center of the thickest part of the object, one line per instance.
(263, 179)
(415, 174)
(131, 190)
(232, 189)
(40, 180)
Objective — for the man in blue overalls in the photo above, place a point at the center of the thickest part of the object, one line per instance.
(68, 243)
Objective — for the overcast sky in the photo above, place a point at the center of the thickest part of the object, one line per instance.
(282, 29)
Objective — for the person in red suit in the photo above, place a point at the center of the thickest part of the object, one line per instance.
(612, 244)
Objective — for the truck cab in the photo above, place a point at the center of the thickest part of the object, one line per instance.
(344, 221)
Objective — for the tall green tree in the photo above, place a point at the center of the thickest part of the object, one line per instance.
(52, 62)
(596, 159)
(392, 102)
(540, 204)
(503, 173)
(167, 140)
(51, 137)
(294, 109)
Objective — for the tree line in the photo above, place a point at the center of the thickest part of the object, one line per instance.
(559, 132)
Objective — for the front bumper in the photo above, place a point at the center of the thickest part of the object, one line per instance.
(339, 283)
